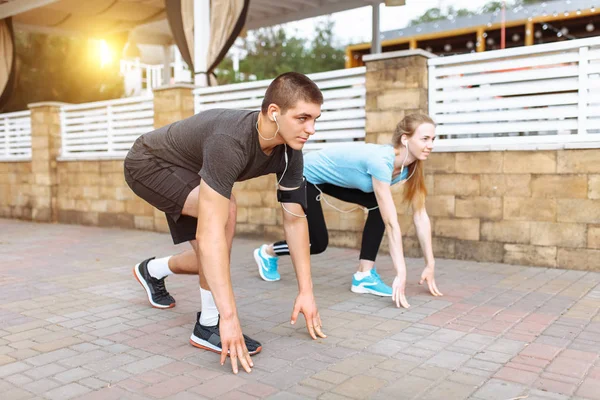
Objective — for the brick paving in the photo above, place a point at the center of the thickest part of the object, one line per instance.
(74, 324)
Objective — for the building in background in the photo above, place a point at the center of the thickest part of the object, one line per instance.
(544, 22)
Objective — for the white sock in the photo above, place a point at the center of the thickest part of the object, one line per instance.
(263, 252)
(362, 275)
(159, 268)
(210, 314)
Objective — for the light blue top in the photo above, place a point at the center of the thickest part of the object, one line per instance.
(352, 166)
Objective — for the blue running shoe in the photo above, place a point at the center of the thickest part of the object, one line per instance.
(267, 265)
(371, 284)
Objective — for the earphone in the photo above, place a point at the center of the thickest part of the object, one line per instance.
(285, 156)
(274, 115)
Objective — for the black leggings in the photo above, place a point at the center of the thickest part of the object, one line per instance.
(317, 229)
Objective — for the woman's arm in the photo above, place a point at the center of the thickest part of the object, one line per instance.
(423, 227)
(387, 208)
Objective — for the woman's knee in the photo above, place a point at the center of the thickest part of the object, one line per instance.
(319, 246)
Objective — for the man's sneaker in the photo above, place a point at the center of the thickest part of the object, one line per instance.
(208, 338)
(371, 284)
(267, 265)
(155, 288)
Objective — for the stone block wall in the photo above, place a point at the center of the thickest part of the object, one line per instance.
(535, 208)
(95, 193)
(16, 190)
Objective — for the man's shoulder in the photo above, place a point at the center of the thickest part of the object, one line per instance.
(226, 113)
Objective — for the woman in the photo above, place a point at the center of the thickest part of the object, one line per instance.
(362, 174)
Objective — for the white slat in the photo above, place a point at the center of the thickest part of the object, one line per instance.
(507, 65)
(104, 129)
(508, 103)
(513, 76)
(508, 99)
(510, 89)
(15, 136)
(506, 127)
(515, 115)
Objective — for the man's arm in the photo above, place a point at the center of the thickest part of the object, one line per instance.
(213, 252)
(296, 235)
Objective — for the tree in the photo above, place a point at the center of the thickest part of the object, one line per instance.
(527, 2)
(58, 68)
(273, 51)
(491, 7)
(436, 14)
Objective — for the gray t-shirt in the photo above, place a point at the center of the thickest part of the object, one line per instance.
(222, 146)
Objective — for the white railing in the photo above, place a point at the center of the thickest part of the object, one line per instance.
(141, 79)
(343, 110)
(534, 97)
(15, 136)
(105, 128)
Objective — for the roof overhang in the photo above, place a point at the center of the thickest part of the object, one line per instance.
(148, 17)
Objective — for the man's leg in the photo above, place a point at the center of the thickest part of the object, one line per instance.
(187, 262)
(151, 273)
(206, 334)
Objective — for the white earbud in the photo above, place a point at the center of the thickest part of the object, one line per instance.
(274, 115)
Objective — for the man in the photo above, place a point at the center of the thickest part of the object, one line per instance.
(187, 170)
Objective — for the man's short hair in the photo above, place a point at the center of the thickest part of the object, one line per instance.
(290, 88)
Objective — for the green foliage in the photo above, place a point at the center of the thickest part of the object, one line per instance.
(272, 51)
(59, 68)
(435, 14)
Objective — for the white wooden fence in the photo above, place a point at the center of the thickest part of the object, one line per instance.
(535, 97)
(15, 136)
(343, 110)
(141, 79)
(105, 128)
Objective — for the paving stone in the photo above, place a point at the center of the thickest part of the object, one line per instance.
(360, 387)
(88, 333)
(448, 390)
(73, 375)
(218, 386)
(13, 368)
(331, 377)
(146, 364)
(407, 387)
(41, 386)
(448, 359)
(67, 392)
(18, 379)
(495, 389)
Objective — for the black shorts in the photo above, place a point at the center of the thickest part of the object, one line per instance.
(165, 186)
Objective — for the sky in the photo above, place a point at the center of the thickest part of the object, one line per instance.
(354, 26)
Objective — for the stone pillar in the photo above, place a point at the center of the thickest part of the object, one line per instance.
(171, 103)
(397, 85)
(45, 149)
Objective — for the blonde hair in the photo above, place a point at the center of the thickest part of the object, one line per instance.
(414, 189)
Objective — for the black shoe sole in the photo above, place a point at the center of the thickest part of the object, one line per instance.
(142, 282)
(204, 345)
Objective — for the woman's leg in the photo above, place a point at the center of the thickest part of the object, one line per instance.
(374, 227)
(317, 229)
